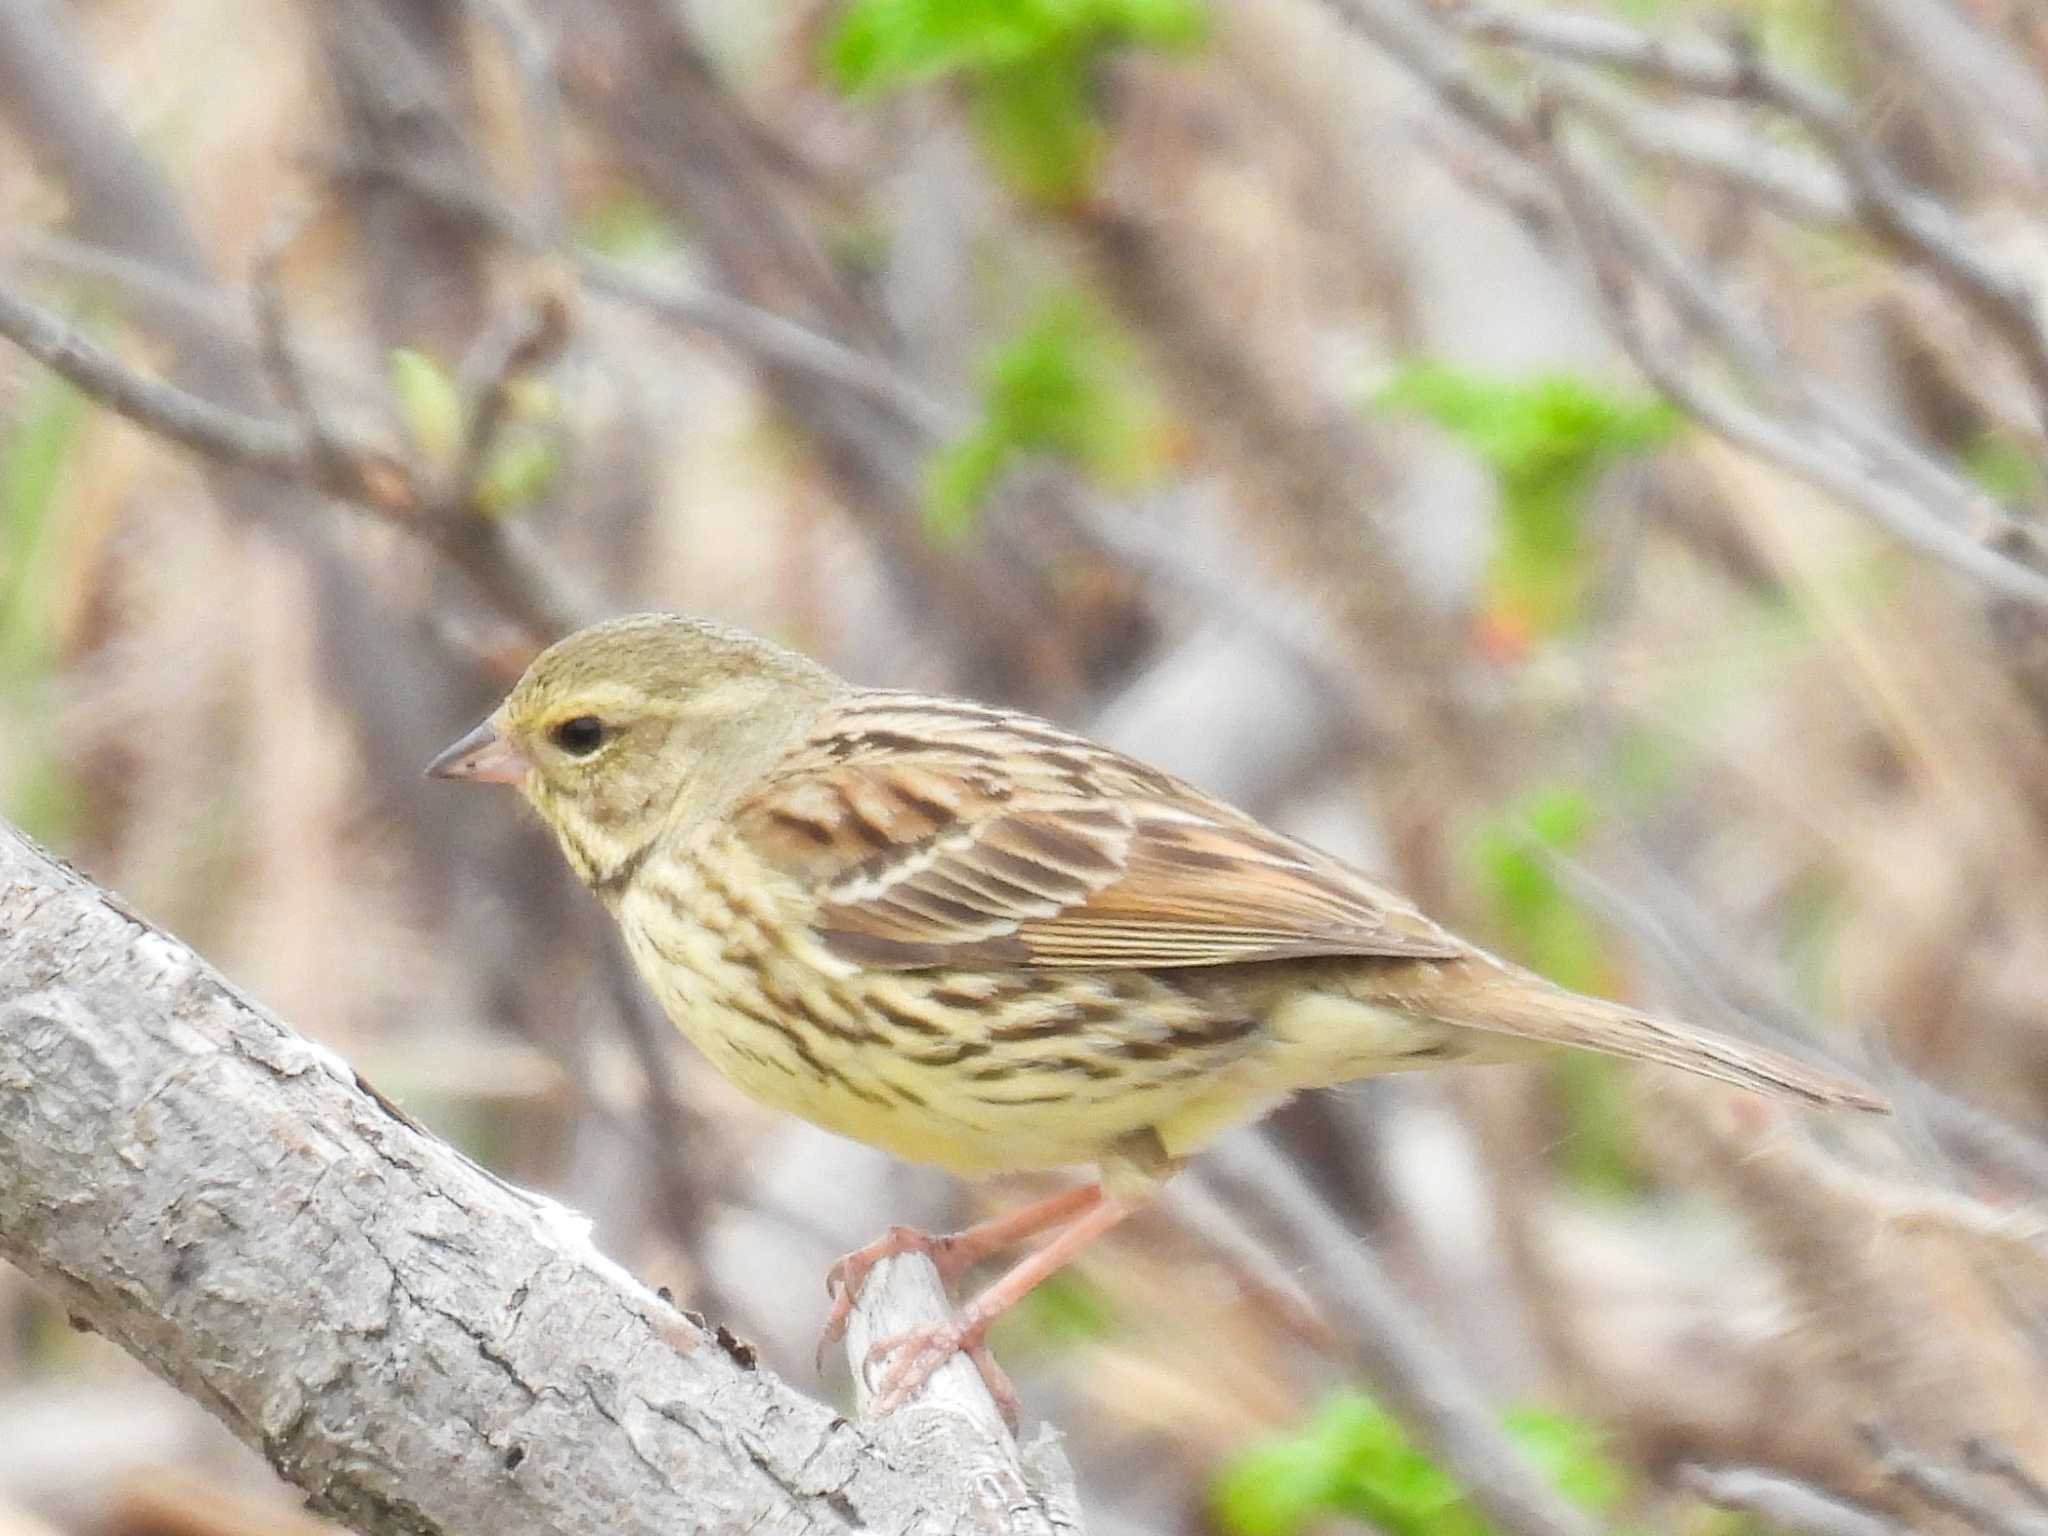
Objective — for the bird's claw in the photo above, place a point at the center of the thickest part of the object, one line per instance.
(919, 1352)
(844, 1280)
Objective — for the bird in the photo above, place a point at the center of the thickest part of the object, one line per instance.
(974, 939)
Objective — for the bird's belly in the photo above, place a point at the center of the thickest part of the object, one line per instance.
(974, 1071)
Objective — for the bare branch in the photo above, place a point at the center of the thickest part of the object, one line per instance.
(1856, 462)
(144, 291)
(526, 340)
(1783, 1501)
(532, 44)
(419, 1346)
(280, 352)
(1983, 1454)
(1796, 184)
(1946, 1491)
(226, 436)
(1905, 219)
(759, 333)
(1417, 42)
(493, 553)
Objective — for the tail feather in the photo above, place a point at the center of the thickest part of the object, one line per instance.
(1532, 1009)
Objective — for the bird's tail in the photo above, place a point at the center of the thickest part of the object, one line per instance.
(1519, 1004)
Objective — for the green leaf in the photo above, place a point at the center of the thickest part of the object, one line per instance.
(957, 482)
(883, 45)
(1547, 438)
(1058, 386)
(631, 228)
(1066, 386)
(1054, 1318)
(1163, 24)
(1027, 65)
(1546, 928)
(1353, 1459)
(430, 405)
(1540, 921)
(33, 458)
(1571, 1454)
(1036, 124)
(2004, 468)
(518, 473)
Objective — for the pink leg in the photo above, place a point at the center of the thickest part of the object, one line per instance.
(923, 1350)
(953, 1252)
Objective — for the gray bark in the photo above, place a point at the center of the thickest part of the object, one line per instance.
(419, 1346)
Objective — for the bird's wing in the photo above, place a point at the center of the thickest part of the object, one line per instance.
(931, 833)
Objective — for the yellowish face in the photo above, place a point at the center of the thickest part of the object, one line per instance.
(605, 761)
(626, 729)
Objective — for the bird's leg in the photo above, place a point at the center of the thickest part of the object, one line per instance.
(952, 1252)
(920, 1351)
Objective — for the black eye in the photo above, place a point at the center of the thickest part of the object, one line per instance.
(579, 736)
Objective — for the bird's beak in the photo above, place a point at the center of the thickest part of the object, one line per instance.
(481, 757)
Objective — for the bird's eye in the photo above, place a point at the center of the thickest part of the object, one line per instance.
(579, 736)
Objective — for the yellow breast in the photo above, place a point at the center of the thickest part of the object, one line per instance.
(975, 1071)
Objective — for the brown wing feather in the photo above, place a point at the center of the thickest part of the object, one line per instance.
(934, 833)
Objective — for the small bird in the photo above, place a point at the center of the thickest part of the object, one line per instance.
(973, 939)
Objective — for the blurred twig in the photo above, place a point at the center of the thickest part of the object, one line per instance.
(218, 432)
(1983, 1454)
(139, 285)
(1854, 461)
(1911, 223)
(759, 333)
(1786, 1502)
(350, 470)
(1824, 439)
(1945, 1490)
(279, 351)
(520, 342)
(1793, 182)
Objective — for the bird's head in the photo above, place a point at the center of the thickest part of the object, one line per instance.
(638, 725)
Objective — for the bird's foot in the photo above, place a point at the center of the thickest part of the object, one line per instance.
(844, 1280)
(920, 1351)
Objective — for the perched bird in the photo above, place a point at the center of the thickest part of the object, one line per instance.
(974, 939)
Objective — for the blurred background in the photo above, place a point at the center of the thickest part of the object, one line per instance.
(1584, 464)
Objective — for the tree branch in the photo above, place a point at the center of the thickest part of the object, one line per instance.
(1823, 438)
(492, 554)
(1947, 1490)
(678, 301)
(1913, 225)
(419, 1346)
(1784, 1502)
(1857, 462)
